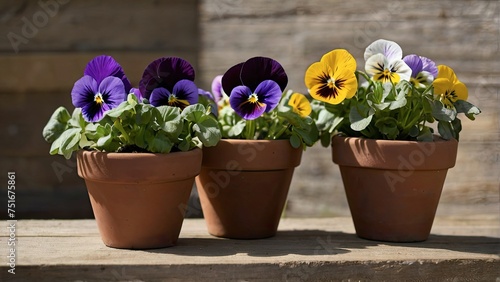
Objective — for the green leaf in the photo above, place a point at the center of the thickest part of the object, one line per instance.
(414, 131)
(169, 113)
(118, 111)
(440, 112)
(457, 127)
(467, 108)
(160, 144)
(66, 143)
(56, 124)
(446, 130)
(236, 129)
(77, 119)
(400, 100)
(144, 114)
(208, 132)
(295, 141)
(360, 117)
(194, 113)
(425, 135)
(104, 141)
(325, 139)
(388, 126)
(132, 100)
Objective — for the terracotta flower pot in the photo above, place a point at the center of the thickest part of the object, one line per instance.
(136, 196)
(393, 187)
(243, 186)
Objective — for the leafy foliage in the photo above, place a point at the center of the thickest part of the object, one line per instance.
(133, 127)
(280, 123)
(386, 111)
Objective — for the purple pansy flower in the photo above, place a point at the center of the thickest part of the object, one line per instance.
(103, 66)
(171, 75)
(210, 99)
(423, 70)
(255, 86)
(137, 93)
(217, 88)
(183, 94)
(96, 98)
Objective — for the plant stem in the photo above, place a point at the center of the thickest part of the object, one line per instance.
(250, 129)
(119, 126)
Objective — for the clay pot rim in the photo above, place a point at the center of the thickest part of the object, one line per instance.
(237, 153)
(439, 154)
(107, 170)
(126, 155)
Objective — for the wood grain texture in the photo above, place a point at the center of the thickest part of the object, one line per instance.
(463, 34)
(216, 34)
(86, 26)
(304, 249)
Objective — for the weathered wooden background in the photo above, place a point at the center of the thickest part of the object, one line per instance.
(216, 34)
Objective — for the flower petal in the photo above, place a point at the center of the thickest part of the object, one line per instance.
(137, 93)
(83, 91)
(300, 104)
(186, 91)
(112, 91)
(159, 97)
(257, 69)
(345, 81)
(442, 85)
(339, 58)
(461, 91)
(269, 93)
(429, 66)
(446, 72)
(376, 64)
(239, 101)
(390, 49)
(165, 72)
(103, 66)
(326, 94)
(231, 78)
(316, 73)
(217, 88)
(401, 68)
(415, 64)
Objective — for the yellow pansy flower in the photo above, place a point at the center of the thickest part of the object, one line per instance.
(447, 88)
(332, 79)
(300, 104)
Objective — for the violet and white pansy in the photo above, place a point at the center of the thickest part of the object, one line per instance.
(384, 62)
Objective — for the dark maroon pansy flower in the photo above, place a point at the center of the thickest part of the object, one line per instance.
(255, 86)
(165, 73)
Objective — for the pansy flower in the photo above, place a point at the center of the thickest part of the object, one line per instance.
(137, 93)
(169, 81)
(300, 104)
(217, 88)
(255, 86)
(333, 78)
(383, 61)
(103, 66)
(183, 94)
(210, 99)
(447, 88)
(96, 98)
(423, 70)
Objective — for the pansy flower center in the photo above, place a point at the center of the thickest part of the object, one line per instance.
(98, 99)
(253, 98)
(330, 82)
(175, 102)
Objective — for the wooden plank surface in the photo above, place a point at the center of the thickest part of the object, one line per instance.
(91, 25)
(324, 249)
